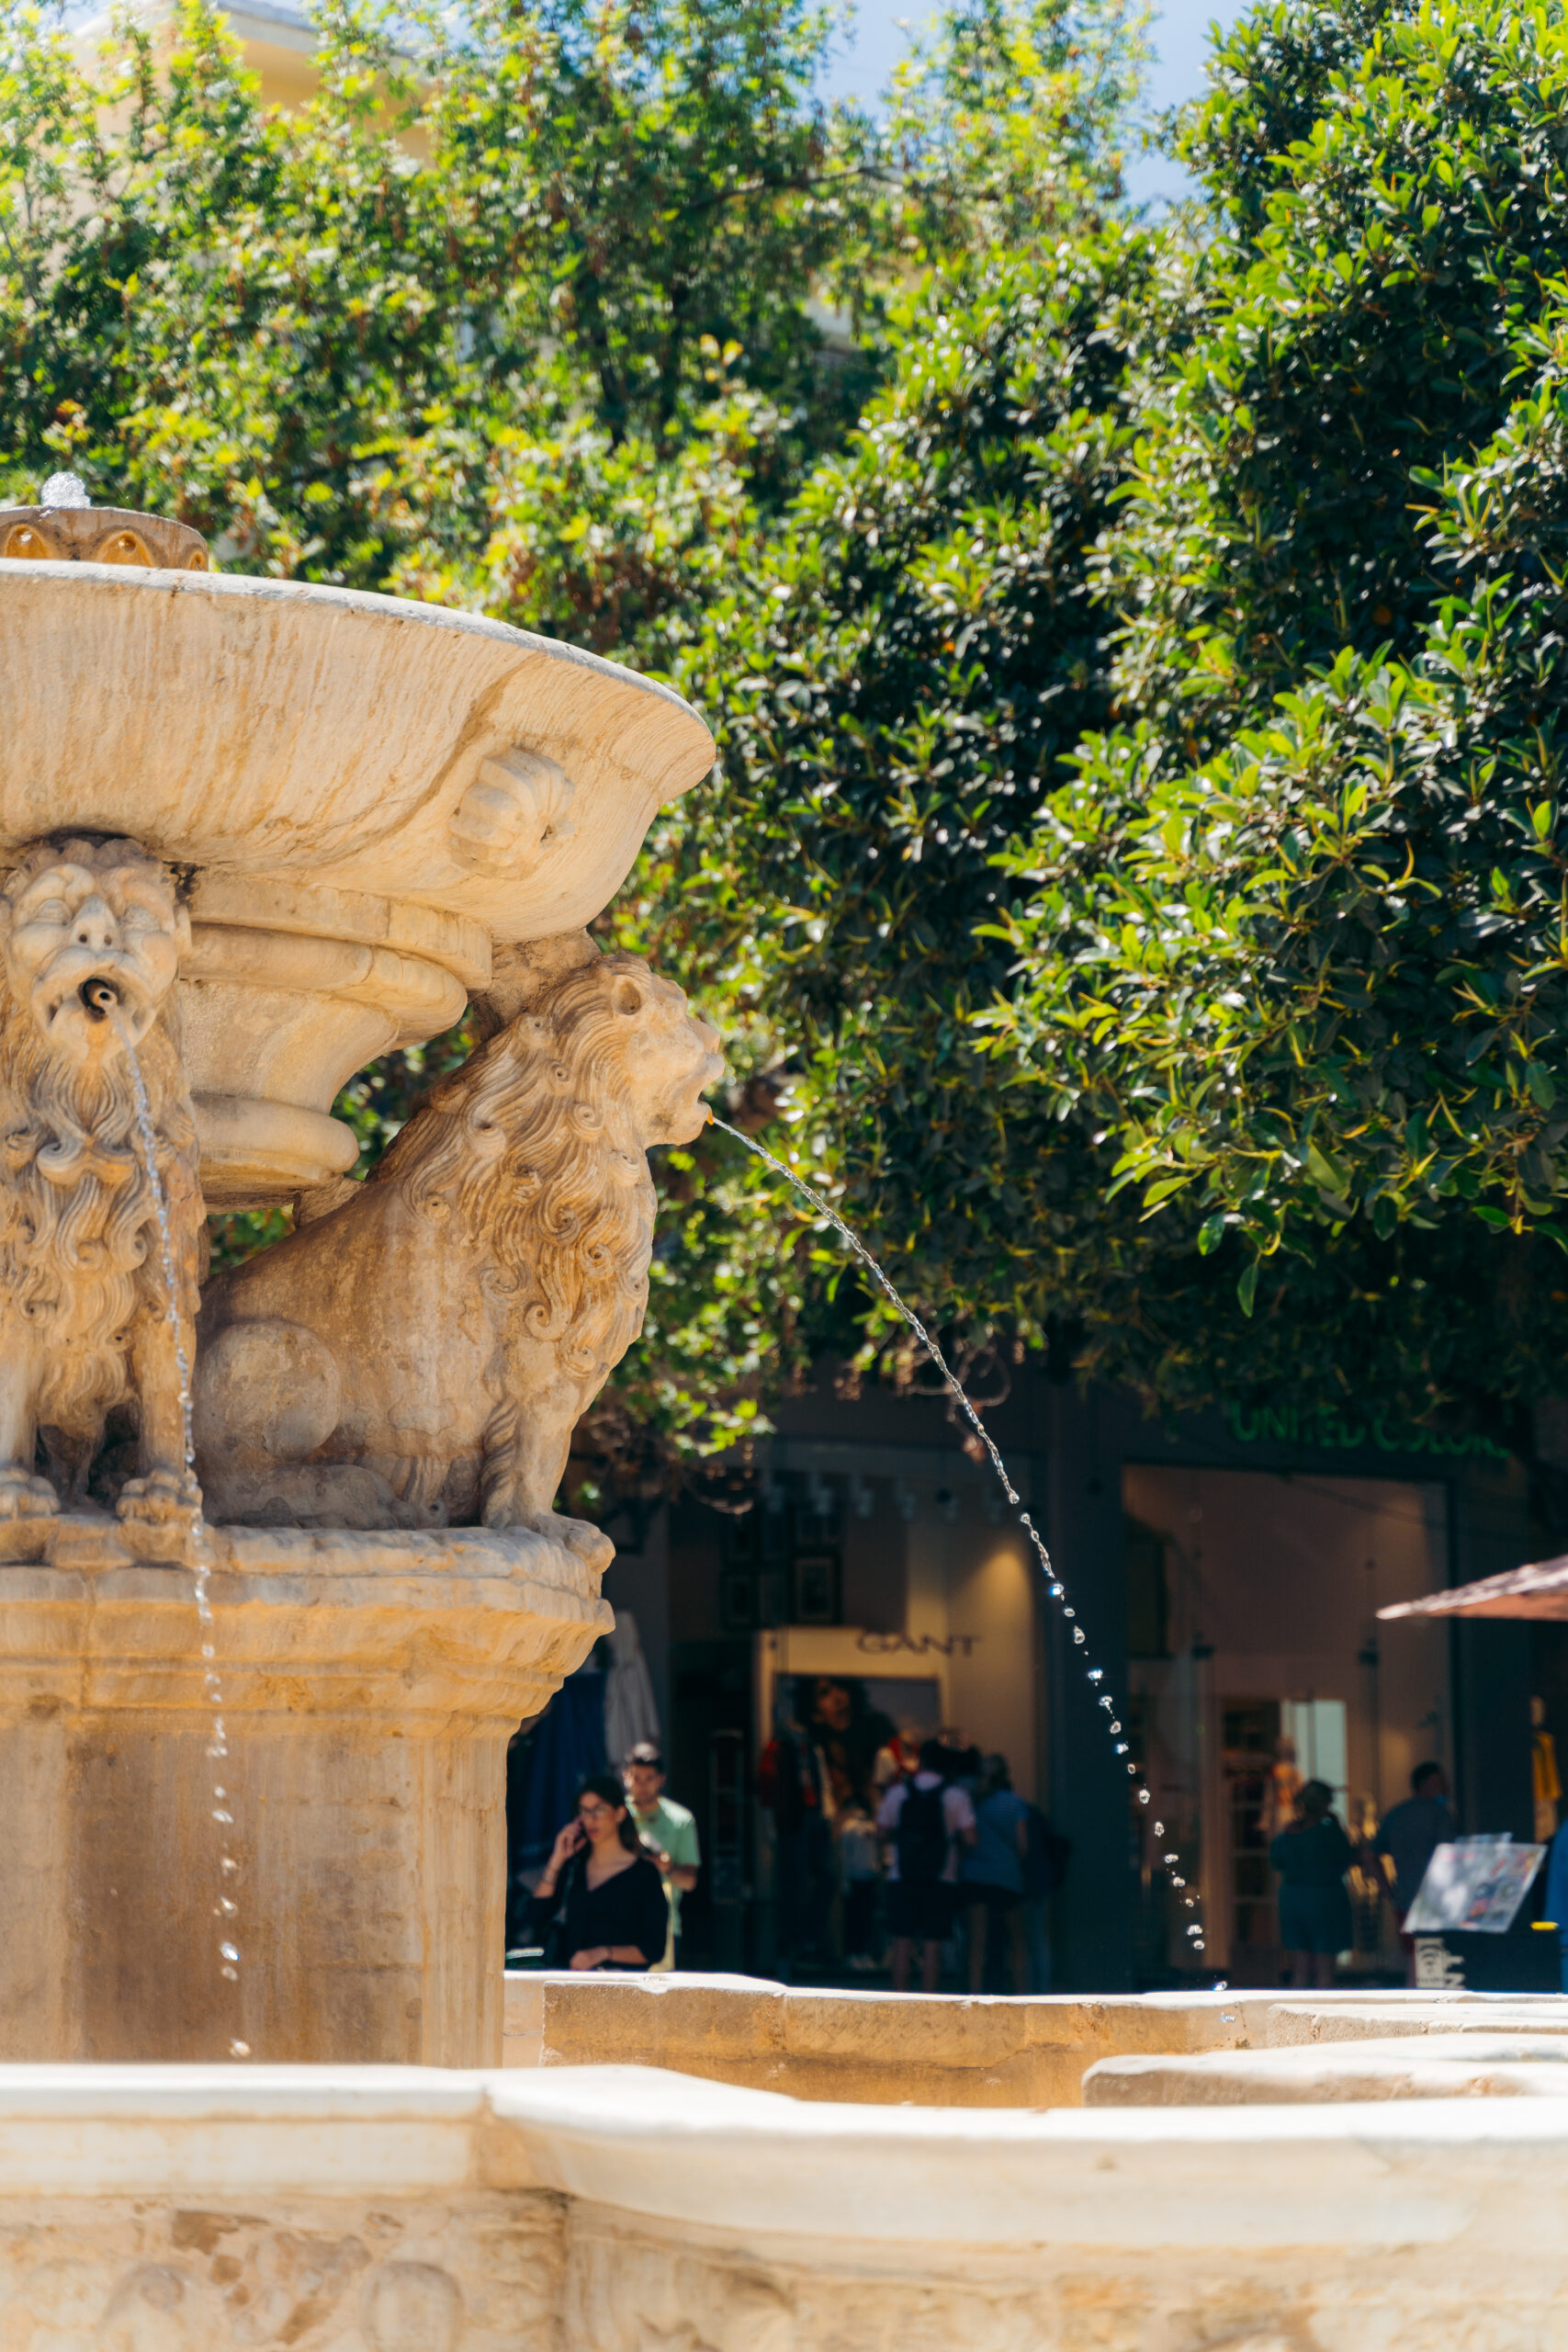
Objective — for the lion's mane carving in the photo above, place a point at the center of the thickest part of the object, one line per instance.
(83, 1311)
(533, 1152)
(421, 1351)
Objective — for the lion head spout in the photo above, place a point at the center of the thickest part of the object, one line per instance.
(90, 940)
(535, 1151)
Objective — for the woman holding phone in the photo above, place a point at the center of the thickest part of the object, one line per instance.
(601, 1887)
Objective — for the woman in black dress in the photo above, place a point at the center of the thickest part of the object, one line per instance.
(603, 1886)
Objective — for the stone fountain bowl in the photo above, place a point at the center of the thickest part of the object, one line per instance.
(366, 794)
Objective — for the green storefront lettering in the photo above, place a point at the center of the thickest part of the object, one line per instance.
(1282, 1425)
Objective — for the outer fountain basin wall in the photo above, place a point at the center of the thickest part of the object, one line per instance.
(370, 1685)
(957, 2050)
(193, 2210)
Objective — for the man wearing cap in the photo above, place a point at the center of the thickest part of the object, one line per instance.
(668, 1829)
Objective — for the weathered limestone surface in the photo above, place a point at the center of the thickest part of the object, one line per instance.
(949, 2050)
(370, 1683)
(363, 2209)
(364, 792)
(251, 834)
(1480, 2064)
(421, 1354)
(91, 935)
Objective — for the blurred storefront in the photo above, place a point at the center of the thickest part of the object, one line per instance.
(1230, 1570)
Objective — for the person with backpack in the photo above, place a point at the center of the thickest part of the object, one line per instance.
(992, 1880)
(928, 1819)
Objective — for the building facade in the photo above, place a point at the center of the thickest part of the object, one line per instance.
(1228, 1569)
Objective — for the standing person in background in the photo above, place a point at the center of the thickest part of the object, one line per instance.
(1409, 1836)
(992, 1880)
(668, 1832)
(1285, 1778)
(898, 1759)
(1312, 1857)
(927, 1821)
(600, 1904)
(793, 1784)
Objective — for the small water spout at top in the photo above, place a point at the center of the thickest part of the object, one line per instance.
(102, 1000)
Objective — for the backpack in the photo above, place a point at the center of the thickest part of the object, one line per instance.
(921, 1835)
(1045, 1856)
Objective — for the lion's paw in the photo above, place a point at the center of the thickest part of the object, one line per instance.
(164, 1499)
(24, 1496)
(579, 1536)
(582, 1538)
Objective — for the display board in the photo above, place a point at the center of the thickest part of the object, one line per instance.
(1476, 1884)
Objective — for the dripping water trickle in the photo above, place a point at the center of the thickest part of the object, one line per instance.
(1055, 1586)
(226, 1908)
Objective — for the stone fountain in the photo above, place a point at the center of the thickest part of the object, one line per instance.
(251, 834)
(258, 833)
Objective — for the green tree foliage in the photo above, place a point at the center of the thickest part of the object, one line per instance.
(1297, 940)
(895, 690)
(530, 319)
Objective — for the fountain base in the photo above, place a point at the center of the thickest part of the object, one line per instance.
(370, 1682)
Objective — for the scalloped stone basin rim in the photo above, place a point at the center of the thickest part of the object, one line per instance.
(365, 793)
(271, 727)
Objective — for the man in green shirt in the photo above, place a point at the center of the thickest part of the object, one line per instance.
(668, 1829)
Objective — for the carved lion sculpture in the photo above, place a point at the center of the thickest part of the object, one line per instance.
(421, 1354)
(90, 940)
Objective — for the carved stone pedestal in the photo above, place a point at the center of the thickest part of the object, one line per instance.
(370, 1683)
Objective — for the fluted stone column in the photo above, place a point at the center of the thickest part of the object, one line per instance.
(370, 1683)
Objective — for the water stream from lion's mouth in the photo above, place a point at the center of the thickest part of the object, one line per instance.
(225, 1910)
(1055, 1585)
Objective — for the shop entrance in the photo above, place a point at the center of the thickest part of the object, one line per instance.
(1258, 1661)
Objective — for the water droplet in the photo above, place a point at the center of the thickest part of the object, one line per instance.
(229, 1952)
(1056, 1590)
(219, 1815)
(208, 1650)
(1077, 1632)
(1143, 1796)
(1097, 1674)
(239, 2050)
(228, 1863)
(1115, 1725)
(1172, 1858)
(233, 1974)
(1121, 1748)
(1069, 1612)
(1159, 1829)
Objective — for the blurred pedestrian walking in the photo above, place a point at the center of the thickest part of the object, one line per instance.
(1312, 1857)
(991, 1877)
(1410, 1835)
(928, 1820)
